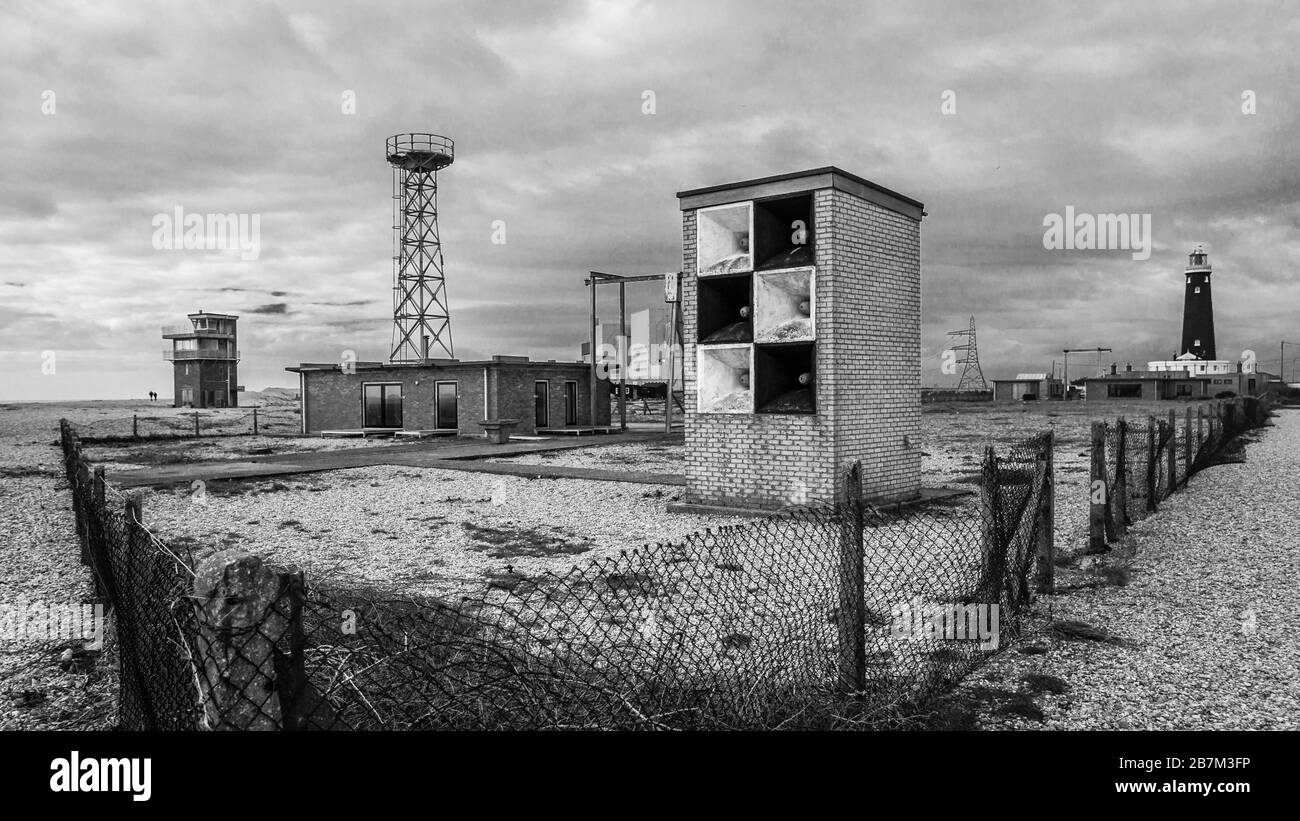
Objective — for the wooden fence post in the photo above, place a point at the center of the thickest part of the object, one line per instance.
(1046, 547)
(196, 423)
(1121, 476)
(135, 426)
(254, 421)
(1151, 464)
(242, 612)
(1097, 506)
(991, 520)
(1187, 446)
(852, 622)
(1173, 452)
(1200, 430)
(81, 502)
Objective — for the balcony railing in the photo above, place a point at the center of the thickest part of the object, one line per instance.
(177, 355)
(181, 330)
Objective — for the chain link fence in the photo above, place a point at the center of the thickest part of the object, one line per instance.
(1135, 466)
(834, 615)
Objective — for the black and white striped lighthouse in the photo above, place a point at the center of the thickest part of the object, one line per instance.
(1198, 309)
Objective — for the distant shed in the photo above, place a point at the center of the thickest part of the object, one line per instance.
(1028, 386)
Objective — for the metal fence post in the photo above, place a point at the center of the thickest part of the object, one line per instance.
(1046, 548)
(852, 621)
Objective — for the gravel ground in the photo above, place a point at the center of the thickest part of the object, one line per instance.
(430, 531)
(439, 532)
(1205, 614)
(40, 563)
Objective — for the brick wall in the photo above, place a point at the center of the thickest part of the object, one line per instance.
(332, 400)
(204, 375)
(868, 373)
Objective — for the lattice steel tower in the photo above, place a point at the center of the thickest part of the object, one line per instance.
(972, 378)
(421, 321)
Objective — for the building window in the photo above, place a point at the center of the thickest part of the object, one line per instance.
(447, 414)
(1197, 290)
(381, 405)
(1129, 391)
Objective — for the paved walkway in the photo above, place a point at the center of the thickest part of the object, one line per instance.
(458, 455)
(1208, 612)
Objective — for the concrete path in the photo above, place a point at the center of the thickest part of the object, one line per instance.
(458, 455)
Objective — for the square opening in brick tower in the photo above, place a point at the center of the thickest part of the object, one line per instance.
(723, 239)
(724, 311)
(724, 384)
(783, 378)
(783, 232)
(784, 303)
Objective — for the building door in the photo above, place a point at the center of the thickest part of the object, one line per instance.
(541, 412)
(570, 403)
(446, 412)
(383, 406)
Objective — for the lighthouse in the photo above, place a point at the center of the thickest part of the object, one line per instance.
(1198, 309)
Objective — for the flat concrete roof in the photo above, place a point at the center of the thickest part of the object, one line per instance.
(434, 364)
(800, 182)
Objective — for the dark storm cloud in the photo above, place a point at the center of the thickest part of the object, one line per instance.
(272, 308)
(236, 108)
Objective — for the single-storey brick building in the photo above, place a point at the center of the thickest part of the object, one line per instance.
(1152, 385)
(448, 395)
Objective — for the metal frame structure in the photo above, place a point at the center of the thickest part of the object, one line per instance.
(598, 278)
(421, 320)
(971, 359)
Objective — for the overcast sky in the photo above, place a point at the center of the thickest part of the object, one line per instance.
(238, 108)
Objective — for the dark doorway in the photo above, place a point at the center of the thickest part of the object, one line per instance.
(541, 409)
(383, 406)
(447, 415)
(570, 403)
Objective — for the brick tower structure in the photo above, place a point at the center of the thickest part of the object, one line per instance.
(801, 302)
(205, 356)
(1198, 308)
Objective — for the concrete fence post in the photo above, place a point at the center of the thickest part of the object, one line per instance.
(852, 604)
(243, 613)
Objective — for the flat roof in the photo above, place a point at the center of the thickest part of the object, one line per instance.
(797, 182)
(434, 364)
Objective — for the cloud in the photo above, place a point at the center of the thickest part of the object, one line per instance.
(236, 108)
